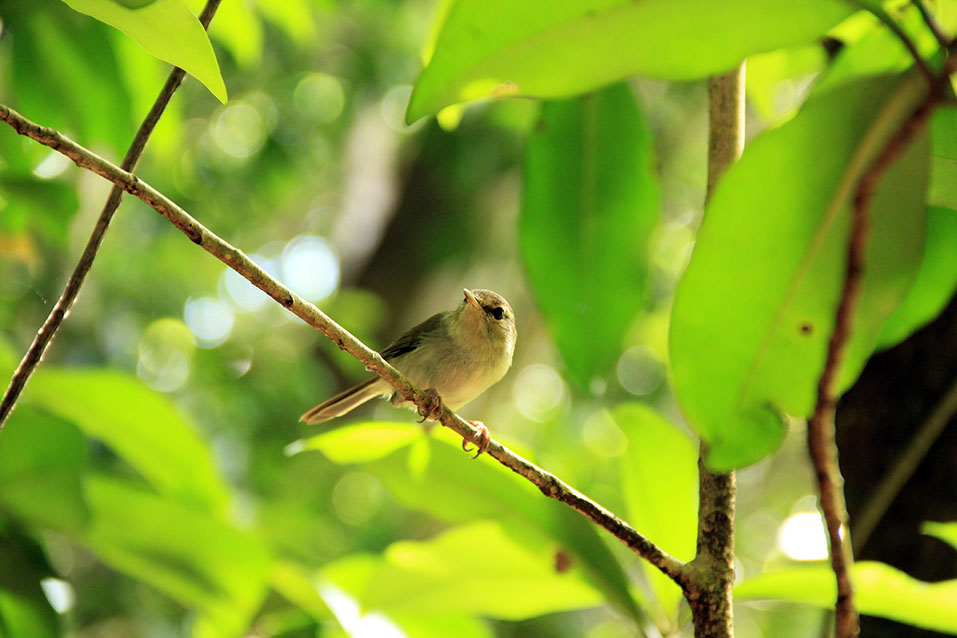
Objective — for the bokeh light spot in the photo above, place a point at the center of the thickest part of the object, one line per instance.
(356, 497)
(802, 537)
(319, 97)
(639, 371)
(165, 350)
(539, 392)
(210, 320)
(239, 131)
(59, 593)
(310, 267)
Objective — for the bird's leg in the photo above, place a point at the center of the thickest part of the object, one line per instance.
(484, 439)
(431, 406)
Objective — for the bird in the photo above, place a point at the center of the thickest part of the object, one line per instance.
(455, 355)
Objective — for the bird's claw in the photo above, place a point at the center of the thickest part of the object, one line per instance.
(431, 406)
(484, 439)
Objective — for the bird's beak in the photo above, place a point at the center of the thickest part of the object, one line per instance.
(470, 299)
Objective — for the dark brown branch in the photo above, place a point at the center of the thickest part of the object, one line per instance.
(932, 25)
(888, 21)
(549, 484)
(821, 443)
(49, 328)
(713, 565)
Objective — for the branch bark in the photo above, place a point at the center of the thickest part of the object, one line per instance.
(62, 307)
(713, 565)
(821, 443)
(549, 484)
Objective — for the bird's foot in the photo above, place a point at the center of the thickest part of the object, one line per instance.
(484, 439)
(431, 406)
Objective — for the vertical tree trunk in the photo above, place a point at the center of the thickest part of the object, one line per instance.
(712, 570)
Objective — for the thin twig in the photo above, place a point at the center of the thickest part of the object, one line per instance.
(821, 443)
(548, 483)
(878, 11)
(905, 466)
(932, 25)
(60, 311)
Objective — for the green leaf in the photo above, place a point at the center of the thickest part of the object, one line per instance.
(41, 461)
(880, 590)
(936, 279)
(754, 310)
(946, 532)
(168, 30)
(491, 48)
(515, 583)
(141, 426)
(359, 443)
(192, 556)
(458, 491)
(83, 92)
(590, 202)
(943, 181)
(660, 483)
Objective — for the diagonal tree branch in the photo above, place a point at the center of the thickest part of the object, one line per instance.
(549, 484)
(53, 322)
(821, 443)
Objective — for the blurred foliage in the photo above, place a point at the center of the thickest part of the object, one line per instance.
(154, 480)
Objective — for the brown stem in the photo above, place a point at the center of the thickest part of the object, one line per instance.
(549, 484)
(821, 443)
(932, 25)
(713, 565)
(62, 307)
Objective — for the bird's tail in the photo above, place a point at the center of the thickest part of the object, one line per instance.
(345, 401)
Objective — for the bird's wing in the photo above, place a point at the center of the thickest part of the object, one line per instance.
(412, 339)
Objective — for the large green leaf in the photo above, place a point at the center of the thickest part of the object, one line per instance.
(41, 461)
(754, 310)
(437, 478)
(660, 483)
(590, 202)
(436, 576)
(936, 280)
(168, 30)
(192, 556)
(943, 183)
(880, 590)
(141, 426)
(547, 49)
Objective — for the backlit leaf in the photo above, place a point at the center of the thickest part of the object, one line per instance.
(590, 202)
(755, 308)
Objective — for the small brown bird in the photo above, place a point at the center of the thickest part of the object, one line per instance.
(457, 354)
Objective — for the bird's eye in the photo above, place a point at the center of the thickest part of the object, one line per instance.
(497, 312)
